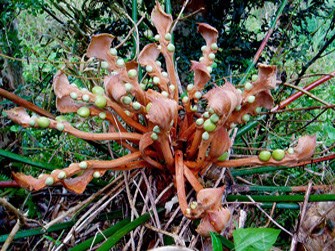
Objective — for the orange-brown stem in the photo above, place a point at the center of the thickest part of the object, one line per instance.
(203, 149)
(17, 100)
(112, 164)
(192, 179)
(171, 71)
(180, 181)
(188, 132)
(195, 143)
(166, 148)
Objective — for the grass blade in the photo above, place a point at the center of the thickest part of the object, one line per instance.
(216, 242)
(112, 240)
(98, 238)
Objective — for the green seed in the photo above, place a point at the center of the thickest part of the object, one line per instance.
(43, 122)
(100, 101)
(185, 99)
(165, 94)
(136, 106)
(214, 65)
(156, 80)
(96, 174)
(211, 110)
(60, 118)
(209, 69)
(148, 107)
(149, 68)
(132, 73)
(278, 154)
(203, 48)
(214, 46)
(258, 110)
(290, 150)
(83, 112)
(157, 37)
(49, 181)
(193, 205)
(98, 90)
(211, 56)
(209, 126)
(246, 117)
(126, 100)
(238, 108)
(40, 176)
(201, 59)
(206, 115)
(190, 87)
(102, 115)
(73, 95)
(32, 122)
(113, 51)
(264, 155)
(251, 99)
(83, 165)
(85, 98)
(171, 48)
(104, 65)
(60, 126)
(156, 129)
(165, 74)
(168, 36)
(62, 175)
(205, 136)
(199, 121)
(214, 118)
(172, 88)
(194, 108)
(223, 156)
(158, 63)
(120, 62)
(254, 78)
(248, 86)
(154, 136)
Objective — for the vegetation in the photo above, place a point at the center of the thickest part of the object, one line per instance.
(158, 133)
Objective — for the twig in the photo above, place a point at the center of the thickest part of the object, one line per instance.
(178, 240)
(16, 212)
(274, 222)
(302, 216)
(178, 18)
(11, 235)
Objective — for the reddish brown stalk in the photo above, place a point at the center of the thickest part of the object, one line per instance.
(113, 164)
(9, 183)
(188, 132)
(166, 149)
(192, 179)
(129, 121)
(309, 87)
(17, 100)
(203, 150)
(321, 159)
(180, 181)
(99, 136)
(195, 143)
(171, 71)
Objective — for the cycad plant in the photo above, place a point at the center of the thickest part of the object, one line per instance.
(181, 133)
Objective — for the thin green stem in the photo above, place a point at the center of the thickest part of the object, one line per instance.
(282, 198)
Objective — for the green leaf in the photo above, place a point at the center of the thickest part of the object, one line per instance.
(216, 242)
(255, 239)
(98, 238)
(111, 241)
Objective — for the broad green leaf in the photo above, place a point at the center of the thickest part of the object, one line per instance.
(255, 239)
(216, 242)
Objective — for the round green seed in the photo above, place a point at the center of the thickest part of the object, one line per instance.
(73, 95)
(214, 118)
(149, 68)
(168, 36)
(136, 106)
(98, 90)
(264, 156)
(171, 48)
(190, 87)
(258, 109)
(120, 62)
(246, 117)
(156, 80)
(290, 150)
(100, 101)
(113, 51)
(83, 165)
(157, 37)
(62, 175)
(128, 86)
(199, 121)
(154, 136)
(104, 65)
(203, 48)
(43, 122)
(205, 136)
(83, 112)
(248, 86)
(85, 98)
(126, 100)
(49, 181)
(102, 115)
(132, 73)
(60, 126)
(32, 122)
(156, 129)
(251, 99)
(278, 154)
(96, 174)
(209, 126)
(214, 46)
(211, 56)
